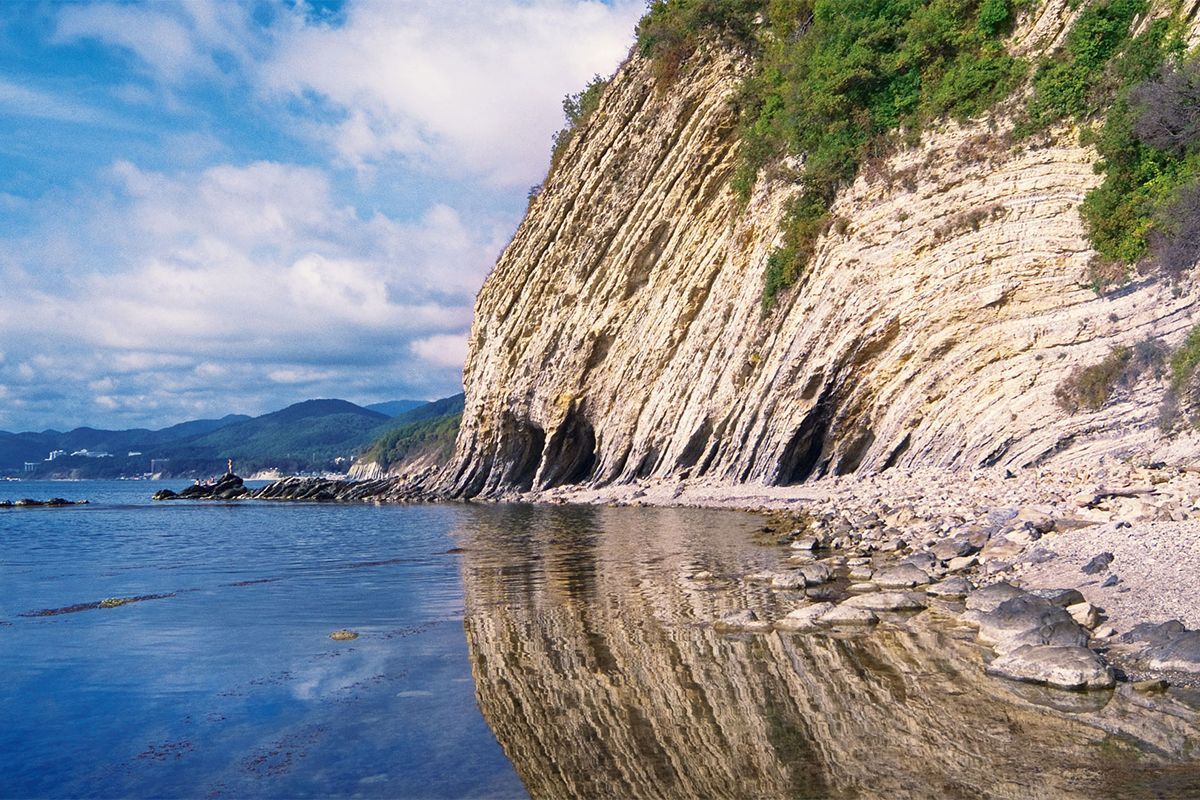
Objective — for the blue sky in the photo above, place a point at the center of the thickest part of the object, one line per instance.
(209, 207)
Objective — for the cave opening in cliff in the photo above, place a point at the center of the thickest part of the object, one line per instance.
(570, 455)
(801, 457)
(521, 445)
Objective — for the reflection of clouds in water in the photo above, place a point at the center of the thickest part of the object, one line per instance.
(339, 671)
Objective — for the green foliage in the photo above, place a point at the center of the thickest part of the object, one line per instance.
(1068, 83)
(671, 29)
(1141, 181)
(576, 108)
(840, 78)
(429, 437)
(1185, 360)
(1090, 387)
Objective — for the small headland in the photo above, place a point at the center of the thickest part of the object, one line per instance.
(53, 502)
(309, 490)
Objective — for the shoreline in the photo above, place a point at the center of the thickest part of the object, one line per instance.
(1028, 534)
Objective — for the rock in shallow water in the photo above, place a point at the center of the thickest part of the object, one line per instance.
(847, 616)
(743, 620)
(1017, 616)
(903, 576)
(1067, 667)
(887, 601)
(804, 618)
(987, 598)
(343, 635)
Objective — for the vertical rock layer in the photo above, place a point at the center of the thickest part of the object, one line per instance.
(621, 335)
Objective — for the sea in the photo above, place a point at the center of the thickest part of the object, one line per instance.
(184, 650)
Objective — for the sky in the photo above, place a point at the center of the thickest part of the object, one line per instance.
(210, 207)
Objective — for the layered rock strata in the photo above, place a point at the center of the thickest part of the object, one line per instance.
(621, 337)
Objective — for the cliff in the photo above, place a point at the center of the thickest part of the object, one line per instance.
(621, 335)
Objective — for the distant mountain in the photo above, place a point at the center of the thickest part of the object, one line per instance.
(17, 448)
(314, 435)
(305, 436)
(438, 408)
(418, 438)
(396, 407)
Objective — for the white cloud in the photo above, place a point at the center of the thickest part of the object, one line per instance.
(472, 86)
(176, 41)
(444, 350)
(220, 278)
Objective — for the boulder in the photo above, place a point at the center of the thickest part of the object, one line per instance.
(961, 563)
(1059, 597)
(1016, 616)
(742, 620)
(887, 601)
(1061, 633)
(804, 618)
(788, 580)
(953, 548)
(1154, 634)
(1085, 614)
(903, 576)
(1066, 667)
(815, 573)
(951, 588)
(1097, 565)
(848, 616)
(1180, 653)
(987, 598)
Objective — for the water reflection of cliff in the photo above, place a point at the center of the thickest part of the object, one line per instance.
(596, 671)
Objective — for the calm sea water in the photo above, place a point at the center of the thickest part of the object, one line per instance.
(229, 685)
(504, 651)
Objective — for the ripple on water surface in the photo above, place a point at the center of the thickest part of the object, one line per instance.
(588, 667)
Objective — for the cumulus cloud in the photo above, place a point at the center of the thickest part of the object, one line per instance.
(259, 267)
(473, 85)
(233, 277)
(175, 41)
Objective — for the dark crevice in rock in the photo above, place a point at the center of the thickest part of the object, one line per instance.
(570, 455)
(695, 446)
(894, 457)
(852, 458)
(801, 458)
(518, 453)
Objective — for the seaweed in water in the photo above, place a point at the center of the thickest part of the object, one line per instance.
(111, 602)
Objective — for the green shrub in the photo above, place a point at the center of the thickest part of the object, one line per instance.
(836, 81)
(1185, 359)
(576, 108)
(1068, 83)
(1090, 387)
(428, 437)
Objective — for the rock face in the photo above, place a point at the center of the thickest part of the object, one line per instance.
(621, 335)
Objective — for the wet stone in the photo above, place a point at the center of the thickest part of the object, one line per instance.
(1066, 667)
(887, 601)
(741, 620)
(1016, 616)
(848, 616)
(901, 577)
(987, 598)
(804, 618)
